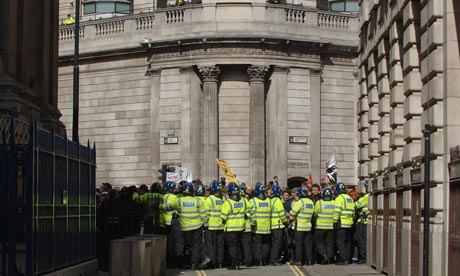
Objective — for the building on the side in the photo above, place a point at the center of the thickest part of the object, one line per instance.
(270, 88)
(29, 62)
(409, 75)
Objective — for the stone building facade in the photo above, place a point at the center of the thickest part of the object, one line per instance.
(246, 82)
(409, 74)
(29, 62)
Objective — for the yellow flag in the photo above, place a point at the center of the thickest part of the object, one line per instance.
(227, 171)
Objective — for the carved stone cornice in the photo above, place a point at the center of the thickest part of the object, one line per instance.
(316, 70)
(281, 69)
(152, 72)
(185, 69)
(257, 72)
(209, 73)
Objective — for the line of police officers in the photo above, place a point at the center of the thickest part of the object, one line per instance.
(199, 228)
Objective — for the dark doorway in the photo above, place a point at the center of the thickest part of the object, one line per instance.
(454, 226)
(295, 181)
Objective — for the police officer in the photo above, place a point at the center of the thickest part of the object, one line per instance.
(324, 226)
(246, 239)
(151, 201)
(192, 214)
(161, 200)
(344, 209)
(175, 239)
(303, 212)
(215, 235)
(260, 217)
(362, 210)
(233, 214)
(278, 221)
(200, 192)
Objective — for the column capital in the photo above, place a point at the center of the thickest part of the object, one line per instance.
(281, 69)
(209, 73)
(257, 72)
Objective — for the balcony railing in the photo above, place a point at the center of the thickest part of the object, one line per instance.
(188, 20)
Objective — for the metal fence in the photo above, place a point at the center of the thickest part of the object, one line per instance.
(47, 194)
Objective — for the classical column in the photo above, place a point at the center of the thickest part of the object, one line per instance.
(209, 168)
(190, 120)
(315, 124)
(155, 121)
(257, 123)
(277, 125)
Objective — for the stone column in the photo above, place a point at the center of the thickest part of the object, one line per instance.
(155, 122)
(257, 123)
(190, 120)
(277, 125)
(209, 168)
(315, 124)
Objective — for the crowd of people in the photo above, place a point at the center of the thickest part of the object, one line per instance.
(229, 225)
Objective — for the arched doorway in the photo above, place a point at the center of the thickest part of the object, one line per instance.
(295, 181)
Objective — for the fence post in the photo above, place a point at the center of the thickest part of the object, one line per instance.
(68, 198)
(12, 201)
(4, 193)
(29, 186)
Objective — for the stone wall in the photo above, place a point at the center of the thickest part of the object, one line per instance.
(403, 65)
(115, 114)
(214, 82)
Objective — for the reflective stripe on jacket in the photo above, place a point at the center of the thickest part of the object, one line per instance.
(261, 214)
(213, 206)
(233, 213)
(324, 211)
(344, 209)
(303, 211)
(278, 215)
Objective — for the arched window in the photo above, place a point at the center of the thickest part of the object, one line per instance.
(107, 6)
(344, 5)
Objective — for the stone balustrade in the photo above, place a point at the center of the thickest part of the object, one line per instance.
(288, 22)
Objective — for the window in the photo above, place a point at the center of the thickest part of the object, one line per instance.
(344, 5)
(107, 6)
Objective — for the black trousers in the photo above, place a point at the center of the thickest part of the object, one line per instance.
(261, 246)
(288, 244)
(277, 242)
(325, 242)
(233, 240)
(175, 241)
(246, 247)
(344, 241)
(215, 245)
(193, 244)
(303, 246)
(362, 237)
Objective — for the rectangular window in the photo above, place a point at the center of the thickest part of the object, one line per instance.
(105, 7)
(352, 6)
(123, 8)
(337, 6)
(89, 8)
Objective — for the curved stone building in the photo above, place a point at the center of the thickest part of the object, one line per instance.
(268, 87)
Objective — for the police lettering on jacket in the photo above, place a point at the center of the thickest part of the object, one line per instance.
(188, 204)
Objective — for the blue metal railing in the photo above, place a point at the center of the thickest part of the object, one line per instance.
(48, 206)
